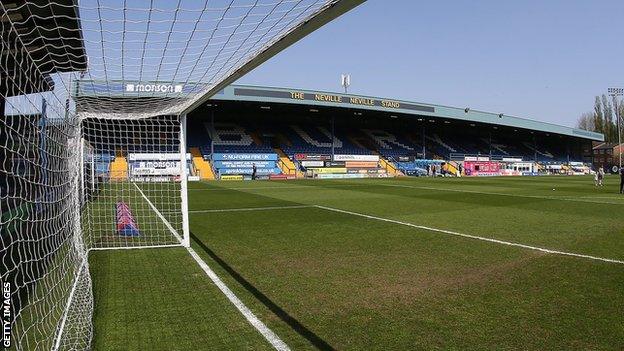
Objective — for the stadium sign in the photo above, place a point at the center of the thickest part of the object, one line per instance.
(156, 88)
(331, 98)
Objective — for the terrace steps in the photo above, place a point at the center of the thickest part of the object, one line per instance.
(204, 167)
(389, 167)
(451, 167)
(286, 164)
(119, 168)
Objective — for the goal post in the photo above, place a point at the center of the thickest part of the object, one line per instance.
(186, 233)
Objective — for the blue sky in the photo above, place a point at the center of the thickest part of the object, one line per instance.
(544, 60)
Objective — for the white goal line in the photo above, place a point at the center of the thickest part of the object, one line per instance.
(267, 333)
(251, 209)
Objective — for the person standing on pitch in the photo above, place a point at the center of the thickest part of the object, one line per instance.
(621, 180)
(600, 175)
(253, 172)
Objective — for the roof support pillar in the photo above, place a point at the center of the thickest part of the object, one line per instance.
(424, 154)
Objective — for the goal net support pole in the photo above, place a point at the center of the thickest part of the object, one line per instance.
(186, 234)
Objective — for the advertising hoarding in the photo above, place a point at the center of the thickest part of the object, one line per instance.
(244, 157)
(244, 164)
(369, 158)
(361, 164)
(312, 163)
(308, 157)
(328, 170)
(481, 168)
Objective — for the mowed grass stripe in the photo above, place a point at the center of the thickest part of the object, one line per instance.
(511, 186)
(464, 235)
(370, 285)
(161, 300)
(589, 229)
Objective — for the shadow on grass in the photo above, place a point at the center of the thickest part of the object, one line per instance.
(283, 315)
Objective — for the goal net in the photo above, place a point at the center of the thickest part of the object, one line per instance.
(132, 182)
(93, 99)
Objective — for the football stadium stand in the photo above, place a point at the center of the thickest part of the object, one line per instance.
(314, 139)
(286, 134)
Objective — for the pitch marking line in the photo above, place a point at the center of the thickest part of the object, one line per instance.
(535, 248)
(251, 209)
(280, 187)
(501, 194)
(268, 334)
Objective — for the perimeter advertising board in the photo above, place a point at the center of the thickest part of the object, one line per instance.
(307, 157)
(361, 164)
(328, 170)
(156, 157)
(335, 164)
(312, 164)
(481, 168)
(244, 164)
(157, 168)
(365, 158)
(231, 177)
(244, 157)
(249, 171)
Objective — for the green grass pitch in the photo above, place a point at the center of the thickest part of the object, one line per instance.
(332, 280)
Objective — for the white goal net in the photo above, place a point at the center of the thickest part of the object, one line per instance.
(93, 99)
(132, 182)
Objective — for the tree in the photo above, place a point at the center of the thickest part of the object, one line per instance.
(586, 122)
(609, 128)
(603, 119)
(598, 118)
(620, 107)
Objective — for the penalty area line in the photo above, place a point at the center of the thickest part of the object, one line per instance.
(475, 237)
(267, 333)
